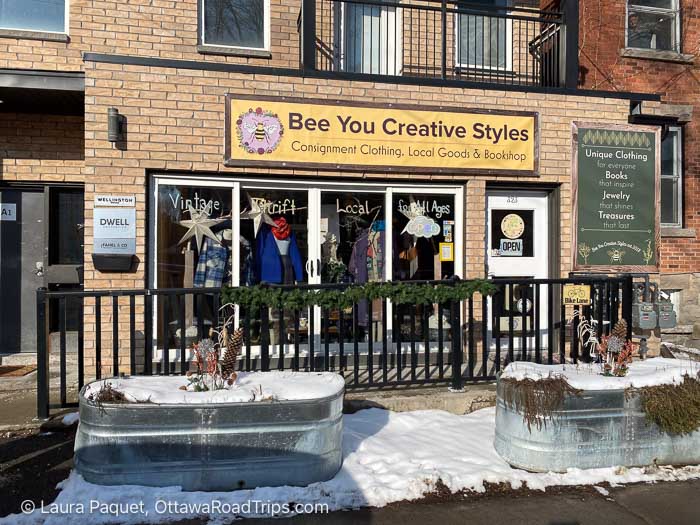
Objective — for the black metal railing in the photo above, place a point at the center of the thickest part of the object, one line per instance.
(372, 343)
(442, 39)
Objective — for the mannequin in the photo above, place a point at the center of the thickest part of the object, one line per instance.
(278, 259)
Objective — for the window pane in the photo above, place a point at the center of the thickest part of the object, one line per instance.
(421, 223)
(66, 227)
(193, 249)
(234, 23)
(370, 39)
(669, 201)
(33, 15)
(274, 236)
(669, 150)
(651, 30)
(483, 40)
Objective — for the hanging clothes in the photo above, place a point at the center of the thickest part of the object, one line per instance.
(211, 265)
(248, 267)
(269, 264)
(357, 265)
(375, 256)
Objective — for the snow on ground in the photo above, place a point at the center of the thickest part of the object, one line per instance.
(250, 386)
(388, 457)
(587, 376)
(70, 419)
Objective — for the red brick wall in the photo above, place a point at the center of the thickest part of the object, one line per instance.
(601, 39)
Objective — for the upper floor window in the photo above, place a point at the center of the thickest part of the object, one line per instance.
(653, 24)
(672, 179)
(239, 24)
(46, 16)
(484, 41)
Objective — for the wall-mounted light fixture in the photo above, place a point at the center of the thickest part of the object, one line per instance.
(115, 125)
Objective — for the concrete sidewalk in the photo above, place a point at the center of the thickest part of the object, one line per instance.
(18, 399)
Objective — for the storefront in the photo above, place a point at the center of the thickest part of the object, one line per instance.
(238, 229)
(303, 232)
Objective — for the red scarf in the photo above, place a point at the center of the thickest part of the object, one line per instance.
(282, 230)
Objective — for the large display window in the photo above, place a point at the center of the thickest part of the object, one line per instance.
(210, 232)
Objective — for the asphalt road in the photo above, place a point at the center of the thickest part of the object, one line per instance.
(675, 503)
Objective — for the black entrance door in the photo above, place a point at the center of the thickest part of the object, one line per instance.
(21, 267)
(41, 244)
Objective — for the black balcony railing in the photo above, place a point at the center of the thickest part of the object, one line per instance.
(445, 40)
(372, 342)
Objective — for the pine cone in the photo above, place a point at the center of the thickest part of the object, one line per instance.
(620, 330)
(234, 343)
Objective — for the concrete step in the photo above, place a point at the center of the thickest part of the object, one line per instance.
(18, 359)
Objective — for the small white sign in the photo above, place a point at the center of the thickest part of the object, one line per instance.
(115, 201)
(8, 212)
(114, 223)
(511, 248)
(115, 246)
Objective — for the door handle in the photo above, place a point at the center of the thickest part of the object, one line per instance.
(310, 268)
(318, 266)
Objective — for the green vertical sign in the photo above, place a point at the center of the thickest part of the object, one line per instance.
(616, 198)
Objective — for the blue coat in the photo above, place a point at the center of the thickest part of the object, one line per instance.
(268, 263)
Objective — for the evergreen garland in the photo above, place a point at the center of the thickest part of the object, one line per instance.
(259, 296)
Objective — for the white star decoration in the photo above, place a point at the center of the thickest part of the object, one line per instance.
(257, 213)
(199, 225)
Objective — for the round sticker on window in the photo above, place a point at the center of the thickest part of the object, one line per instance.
(512, 226)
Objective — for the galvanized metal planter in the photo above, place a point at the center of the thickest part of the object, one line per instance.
(218, 446)
(602, 428)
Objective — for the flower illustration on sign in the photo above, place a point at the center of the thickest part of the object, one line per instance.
(259, 131)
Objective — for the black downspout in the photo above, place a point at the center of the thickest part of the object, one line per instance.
(571, 17)
(308, 36)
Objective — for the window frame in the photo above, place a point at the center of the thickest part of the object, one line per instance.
(678, 176)
(266, 32)
(676, 10)
(66, 25)
(465, 65)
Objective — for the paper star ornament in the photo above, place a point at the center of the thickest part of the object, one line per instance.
(199, 226)
(257, 213)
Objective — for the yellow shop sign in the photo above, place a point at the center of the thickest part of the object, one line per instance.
(294, 133)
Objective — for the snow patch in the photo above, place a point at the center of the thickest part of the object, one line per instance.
(587, 376)
(70, 419)
(250, 386)
(388, 457)
(602, 490)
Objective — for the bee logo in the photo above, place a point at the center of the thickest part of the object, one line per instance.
(259, 131)
(262, 132)
(616, 255)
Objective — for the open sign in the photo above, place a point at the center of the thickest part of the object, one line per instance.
(511, 248)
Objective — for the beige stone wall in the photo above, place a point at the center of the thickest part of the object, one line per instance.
(41, 148)
(162, 29)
